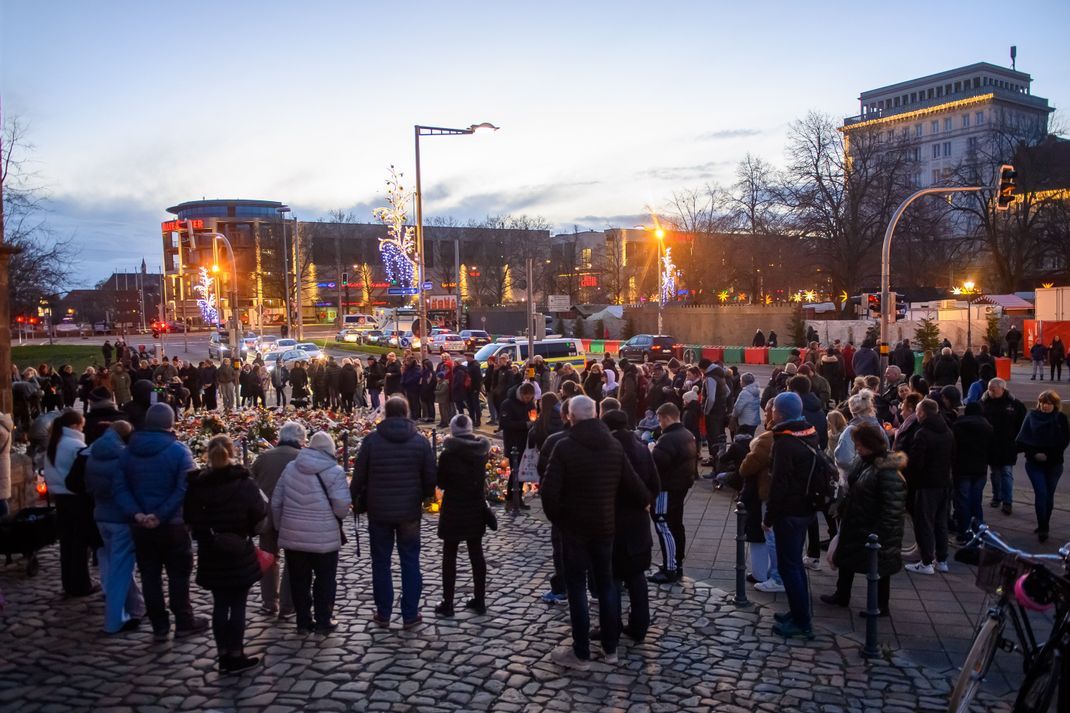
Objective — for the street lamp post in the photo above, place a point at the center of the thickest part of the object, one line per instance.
(419, 131)
(659, 234)
(235, 332)
(285, 266)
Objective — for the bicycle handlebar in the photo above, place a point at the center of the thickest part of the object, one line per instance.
(983, 535)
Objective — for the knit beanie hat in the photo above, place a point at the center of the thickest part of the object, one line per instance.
(160, 417)
(322, 442)
(460, 425)
(788, 405)
(101, 393)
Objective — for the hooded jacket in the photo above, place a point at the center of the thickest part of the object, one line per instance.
(462, 473)
(139, 403)
(815, 416)
(632, 543)
(875, 503)
(587, 471)
(794, 443)
(224, 509)
(305, 517)
(903, 357)
(748, 409)
(155, 469)
(394, 472)
(931, 455)
(676, 456)
(101, 471)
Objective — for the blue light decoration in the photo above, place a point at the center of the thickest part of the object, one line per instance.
(668, 277)
(206, 299)
(398, 248)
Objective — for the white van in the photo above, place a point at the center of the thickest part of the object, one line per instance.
(359, 321)
(553, 351)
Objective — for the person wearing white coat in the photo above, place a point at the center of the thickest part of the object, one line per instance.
(74, 512)
(307, 507)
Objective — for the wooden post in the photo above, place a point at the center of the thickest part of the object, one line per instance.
(6, 253)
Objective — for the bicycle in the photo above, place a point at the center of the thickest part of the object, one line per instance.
(1021, 582)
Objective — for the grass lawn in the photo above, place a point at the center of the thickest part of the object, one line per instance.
(362, 348)
(78, 356)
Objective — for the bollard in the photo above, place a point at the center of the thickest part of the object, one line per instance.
(244, 452)
(345, 452)
(740, 600)
(434, 440)
(514, 462)
(872, 609)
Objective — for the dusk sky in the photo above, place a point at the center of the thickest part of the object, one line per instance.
(605, 107)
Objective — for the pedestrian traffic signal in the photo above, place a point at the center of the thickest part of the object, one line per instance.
(1008, 182)
(873, 305)
(900, 306)
(345, 279)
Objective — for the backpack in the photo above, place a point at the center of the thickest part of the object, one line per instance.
(821, 483)
(75, 480)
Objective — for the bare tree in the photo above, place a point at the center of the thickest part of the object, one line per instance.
(700, 256)
(614, 268)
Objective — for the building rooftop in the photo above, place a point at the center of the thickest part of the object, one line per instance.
(951, 74)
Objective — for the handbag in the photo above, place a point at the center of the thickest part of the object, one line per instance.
(489, 518)
(265, 559)
(341, 530)
(528, 470)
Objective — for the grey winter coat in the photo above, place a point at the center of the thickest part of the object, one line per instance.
(306, 519)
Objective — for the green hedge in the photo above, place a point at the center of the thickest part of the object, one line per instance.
(78, 356)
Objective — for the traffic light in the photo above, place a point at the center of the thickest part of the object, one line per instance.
(345, 279)
(900, 306)
(873, 305)
(1008, 181)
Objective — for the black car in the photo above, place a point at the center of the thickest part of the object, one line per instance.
(474, 338)
(648, 347)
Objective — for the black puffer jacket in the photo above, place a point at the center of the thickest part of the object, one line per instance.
(347, 380)
(1006, 415)
(945, 370)
(586, 472)
(875, 503)
(633, 543)
(931, 454)
(972, 436)
(462, 472)
(224, 508)
(794, 443)
(394, 472)
(676, 456)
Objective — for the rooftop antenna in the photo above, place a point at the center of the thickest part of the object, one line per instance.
(1014, 55)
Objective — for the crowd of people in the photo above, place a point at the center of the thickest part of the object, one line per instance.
(615, 447)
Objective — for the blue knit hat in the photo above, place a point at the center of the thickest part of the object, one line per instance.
(788, 405)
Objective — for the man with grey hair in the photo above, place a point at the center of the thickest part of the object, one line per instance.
(586, 471)
(266, 469)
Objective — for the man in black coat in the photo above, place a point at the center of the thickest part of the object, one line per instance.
(587, 471)
(558, 593)
(1006, 414)
(903, 357)
(676, 457)
(475, 408)
(206, 374)
(633, 543)
(945, 368)
(928, 474)
(394, 473)
(1014, 341)
(515, 417)
(102, 413)
(392, 375)
(972, 435)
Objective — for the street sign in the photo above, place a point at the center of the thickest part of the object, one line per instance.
(428, 286)
(401, 290)
(558, 303)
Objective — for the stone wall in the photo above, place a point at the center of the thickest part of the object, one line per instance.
(855, 330)
(711, 324)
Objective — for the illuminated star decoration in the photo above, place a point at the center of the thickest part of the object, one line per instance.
(797, 297)
(668, 277)
(956, 290)
(723, 295)
(1047, 285)
(398, 248)
(206, 301)
(810, 296)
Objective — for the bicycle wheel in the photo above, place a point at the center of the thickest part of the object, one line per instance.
(1040, 682)
(976, 665)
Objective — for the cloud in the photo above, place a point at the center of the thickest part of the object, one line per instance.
(722, 134)
(598, 222)
(686, 173)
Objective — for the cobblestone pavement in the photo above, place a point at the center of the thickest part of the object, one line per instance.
(703, 654)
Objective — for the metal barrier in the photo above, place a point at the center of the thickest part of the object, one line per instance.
(740, 599)
(872, 607)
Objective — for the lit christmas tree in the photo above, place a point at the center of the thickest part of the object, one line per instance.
(206, 299)
(398, 248)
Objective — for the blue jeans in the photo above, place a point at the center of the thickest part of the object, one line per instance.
(595, 555)
(1003, 483)
(122, 598)
(381, 538)
(790, 537)
(969, 502)
(374, 395)
(774, 571)
(1038, 368)
(1044, 477)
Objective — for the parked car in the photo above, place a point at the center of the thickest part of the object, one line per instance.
(348, 335)
(553, 351)
(311, 350)
(474, 338)
(176, 327)
(101, 328)
(69, 328)
(445, 341)
(285, 343)
(219, 347)
(648, 347)
(371, 336)
(289, 358)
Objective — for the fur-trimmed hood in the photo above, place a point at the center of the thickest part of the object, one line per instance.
(893, 460)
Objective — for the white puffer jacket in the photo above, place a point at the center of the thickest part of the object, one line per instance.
(306, 520)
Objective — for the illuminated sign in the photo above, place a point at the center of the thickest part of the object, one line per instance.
(171, 225)
(589, 281)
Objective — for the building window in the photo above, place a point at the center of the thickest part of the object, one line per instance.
(913, 97)
(935, 175)
(917, 130)
(976, 82)
(958, 87)
(939, 91)
(935, 127)
(895, 102)
(947, 148)
(965, 121)
(936, 150)
(585, 258)
(917, 153)
(947, 124)
(971, 144)
(979, 118)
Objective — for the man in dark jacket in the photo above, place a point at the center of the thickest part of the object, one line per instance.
(973, 433)
(865, 361)
(266, 469)
(788, 511)
(632, 543)
(887, 402)
(903, 357)
(138, 406)
(373, 378)
(460, 385)
(945, 368)
(102, 413)
(659, 390)
(928, 475)
(391, 375)
(333, 371)
(812, 411)
(1006, 414)
(515, 417)
(558, 593)
(714, 407)
(587, 472)
(206, 374)
(475, 407)
(155, 468)
(1014, 341)
(394, 473)
(676, 456)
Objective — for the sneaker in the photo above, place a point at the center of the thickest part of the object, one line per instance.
(611, 658)
(270, 610)
(633, 635)
(381, 622)
(565, 656)
(1007, 509)
(304, 629)
(942, 567)
(769, 586)
(664, 577)
(881, 613)
(161, 635)
(413, 623)
(326, 627)
(238, 664)
(196, 626)
(552, 598)
(920, 568)
(782, 617)
(813, 563)
(994, 503)
(789, 630)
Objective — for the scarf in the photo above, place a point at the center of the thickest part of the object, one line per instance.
(1042, 431)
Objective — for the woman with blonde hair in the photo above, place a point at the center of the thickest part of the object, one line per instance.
(863, 410)
(224, 508)
(836, 424)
